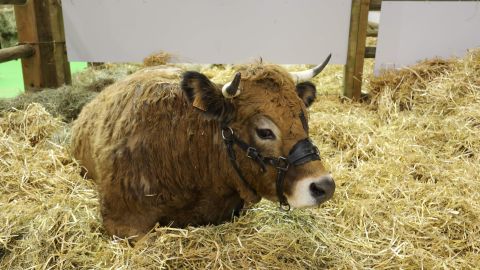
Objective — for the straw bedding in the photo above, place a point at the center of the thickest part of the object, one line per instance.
(406, 166)
(67, 101)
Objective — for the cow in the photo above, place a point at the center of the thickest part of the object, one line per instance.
(194, 153)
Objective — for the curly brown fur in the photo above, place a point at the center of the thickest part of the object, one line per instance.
(155, 149)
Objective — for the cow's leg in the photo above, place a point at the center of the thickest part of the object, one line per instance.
(124, 220)
(123, 229)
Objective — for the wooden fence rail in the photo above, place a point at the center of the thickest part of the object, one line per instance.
(375, 5)
(13, 2)
(16, 52)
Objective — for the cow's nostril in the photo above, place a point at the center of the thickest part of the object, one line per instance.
(317, 190)
(323, 189)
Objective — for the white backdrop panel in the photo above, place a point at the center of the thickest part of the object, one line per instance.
(207, 31)
(413, 31)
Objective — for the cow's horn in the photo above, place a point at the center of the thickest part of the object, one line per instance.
(306, 75)
(231, 89)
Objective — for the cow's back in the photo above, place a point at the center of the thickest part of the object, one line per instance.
(120, 110)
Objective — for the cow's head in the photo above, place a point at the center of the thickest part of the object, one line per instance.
(266, 108)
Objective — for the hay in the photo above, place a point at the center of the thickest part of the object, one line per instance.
(372, 29)
(157, 59)
(437, 82)
(67, 101)
(407, 192)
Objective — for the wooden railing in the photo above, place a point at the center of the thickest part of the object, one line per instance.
(13, 2)
(41, 43)
(16, 52)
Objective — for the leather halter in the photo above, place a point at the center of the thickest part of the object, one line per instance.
(302, 152)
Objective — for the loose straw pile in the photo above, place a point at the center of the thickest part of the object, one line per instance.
(407, 168)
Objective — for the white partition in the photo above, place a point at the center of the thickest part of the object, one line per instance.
(413, 31)
(207, 31)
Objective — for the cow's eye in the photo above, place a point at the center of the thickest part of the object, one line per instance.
(265, 134)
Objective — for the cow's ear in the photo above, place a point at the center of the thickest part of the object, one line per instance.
(206, 96)
(307, 92)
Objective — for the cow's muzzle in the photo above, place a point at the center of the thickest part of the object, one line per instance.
(302, 152)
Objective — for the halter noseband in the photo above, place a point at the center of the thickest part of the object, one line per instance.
(302, 152)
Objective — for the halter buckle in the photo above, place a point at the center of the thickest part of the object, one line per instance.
(252, 153)
(282, 164)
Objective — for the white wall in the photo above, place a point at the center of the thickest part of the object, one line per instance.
(207, 31)
(413, 31)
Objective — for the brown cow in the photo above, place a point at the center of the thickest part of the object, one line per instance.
(193, 154)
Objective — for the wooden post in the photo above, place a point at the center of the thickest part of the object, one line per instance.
(356, 49)
(40, 24)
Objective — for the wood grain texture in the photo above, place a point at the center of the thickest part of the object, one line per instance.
(40, 24)
(12, 53)
(356, 49)
(13, 2)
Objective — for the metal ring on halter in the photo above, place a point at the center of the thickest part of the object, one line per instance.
(252, 152)
(229, 129)
(284, 207)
